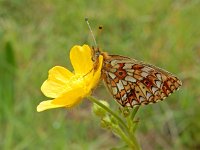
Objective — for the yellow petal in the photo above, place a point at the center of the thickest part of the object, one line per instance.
(47, 105)
(97, 74)
(57, 82)
(71, 98)
(81, 59)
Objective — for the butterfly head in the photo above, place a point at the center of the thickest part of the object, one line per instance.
(95, 53)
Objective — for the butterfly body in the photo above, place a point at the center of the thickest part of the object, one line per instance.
(132, 82)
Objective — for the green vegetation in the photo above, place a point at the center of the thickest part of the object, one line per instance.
(37, 35)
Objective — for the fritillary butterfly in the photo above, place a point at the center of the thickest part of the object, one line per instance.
(132, 82)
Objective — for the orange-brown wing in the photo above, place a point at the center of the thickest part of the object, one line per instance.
(134, 83)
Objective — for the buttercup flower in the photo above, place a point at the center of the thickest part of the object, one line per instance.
(68, 88)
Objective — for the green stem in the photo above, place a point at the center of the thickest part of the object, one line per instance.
(109, 110)
(137, 146)
(130, 139)
(132, 127)
(134, 112)
(125, 138)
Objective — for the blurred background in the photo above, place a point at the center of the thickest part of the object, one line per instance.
(37, 35)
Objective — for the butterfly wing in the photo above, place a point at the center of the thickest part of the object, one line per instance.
(134, 83)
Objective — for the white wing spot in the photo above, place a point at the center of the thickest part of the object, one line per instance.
(114, 89)
(127, 66)
(146, 69)
(128, 91)
(130, 70)
(144, 74)
(120, 85)
(129, 78)
(134, 102)
(159, 76)
(142, 99)
(113, 70)
(158, 83)
(154, 89)
(148, 95)
(124, 97)
(113, 62)
(113, 76)
(130, 73)
(124, 82)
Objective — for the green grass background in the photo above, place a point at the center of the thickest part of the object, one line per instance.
(37, 35)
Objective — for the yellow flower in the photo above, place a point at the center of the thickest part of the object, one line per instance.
(68, 88)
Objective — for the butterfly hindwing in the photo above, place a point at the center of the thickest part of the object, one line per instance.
(134, 83)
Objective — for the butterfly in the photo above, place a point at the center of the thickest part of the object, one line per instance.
(133, 83)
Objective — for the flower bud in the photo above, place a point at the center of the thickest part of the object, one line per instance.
(98, 110)
(106, 122)
(125, 111)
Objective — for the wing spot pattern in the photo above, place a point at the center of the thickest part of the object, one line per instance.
(135, 83)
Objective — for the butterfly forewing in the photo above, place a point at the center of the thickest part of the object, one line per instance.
(134, 83)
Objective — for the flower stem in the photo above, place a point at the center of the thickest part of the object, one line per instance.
(134, 112)
(125, 138)
(129, 138)
(109, 110)
(137, 146)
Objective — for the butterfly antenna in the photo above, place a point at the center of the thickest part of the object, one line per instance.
(99, 34)
(95, 43)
